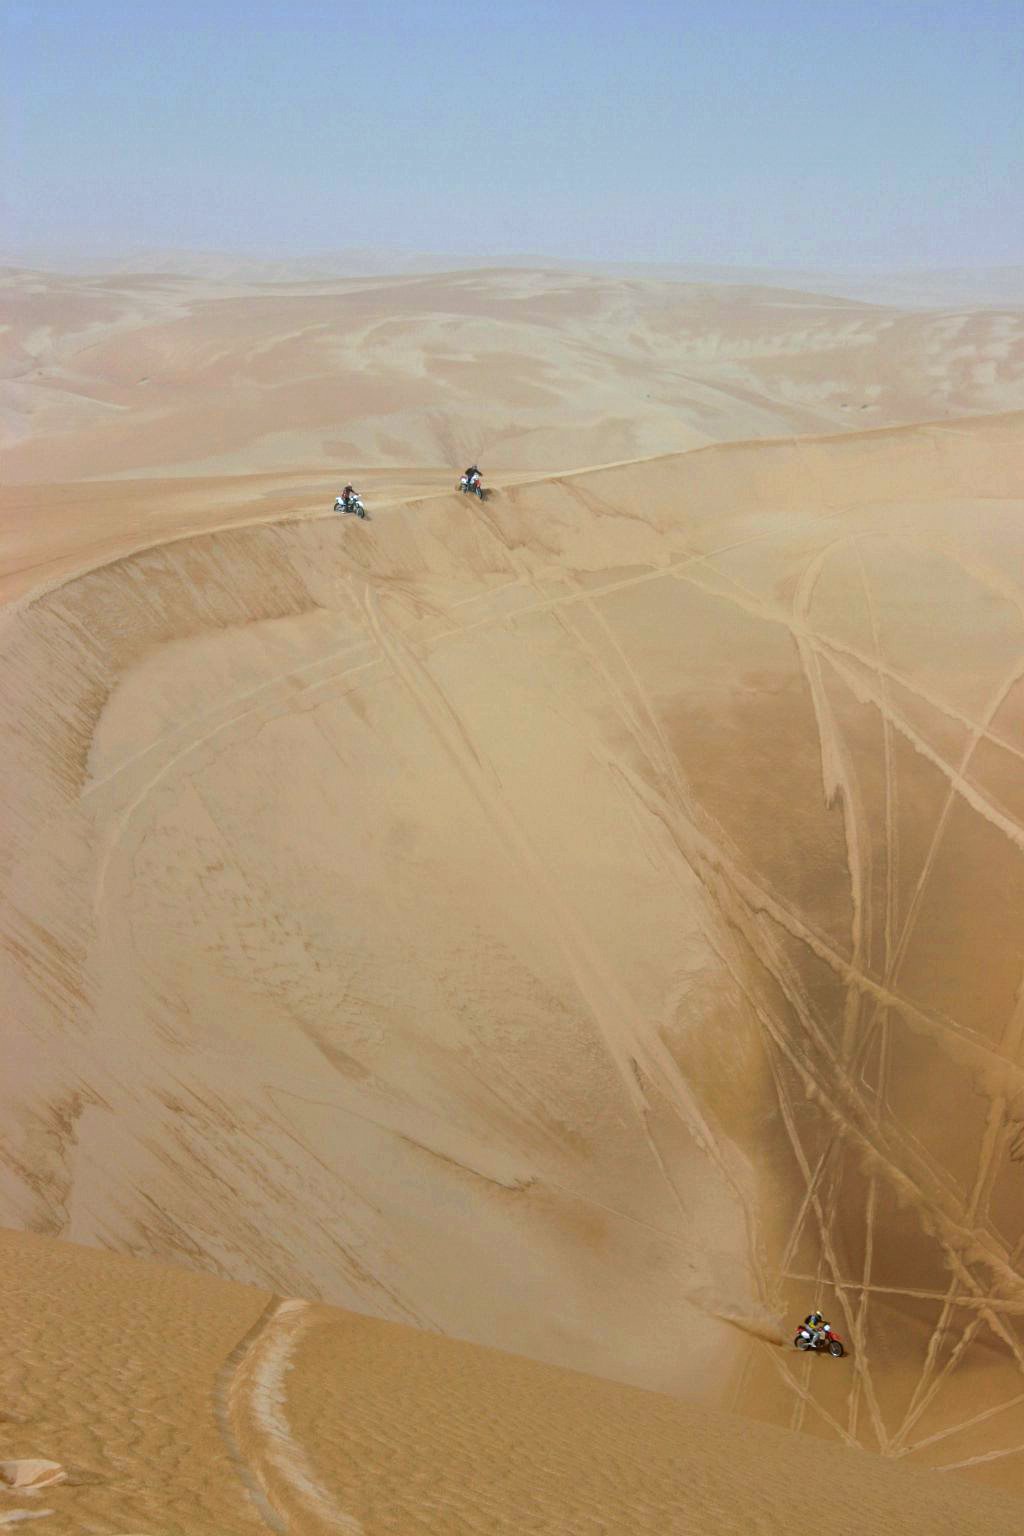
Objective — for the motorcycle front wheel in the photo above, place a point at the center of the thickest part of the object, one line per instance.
(836, 1350)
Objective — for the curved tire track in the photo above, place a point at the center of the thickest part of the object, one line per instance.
(250, 1406)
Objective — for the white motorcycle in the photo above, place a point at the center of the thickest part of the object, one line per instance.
(353, 504)
(471, 485)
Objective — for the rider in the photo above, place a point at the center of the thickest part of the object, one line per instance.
(816, 1325)
(472, 477)
(348, 496)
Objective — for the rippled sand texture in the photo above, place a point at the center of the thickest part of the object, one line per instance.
(589, 925)
(179, 1404)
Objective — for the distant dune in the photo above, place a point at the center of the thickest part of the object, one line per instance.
(174, 1402)
(939, 288)
(151, 375)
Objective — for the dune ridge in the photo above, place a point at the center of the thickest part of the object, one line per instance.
(923, 289)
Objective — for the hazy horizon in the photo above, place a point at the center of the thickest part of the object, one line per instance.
(95, 253)
(846, 137)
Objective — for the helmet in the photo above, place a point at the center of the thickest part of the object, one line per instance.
(349, 488)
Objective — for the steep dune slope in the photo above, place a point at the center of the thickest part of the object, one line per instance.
(150, 375)
(173, 1402)
(588, 924)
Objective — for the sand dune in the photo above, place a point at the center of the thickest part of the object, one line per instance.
(587, 925)
(936, 288)
(182, 1403)
(159, 375)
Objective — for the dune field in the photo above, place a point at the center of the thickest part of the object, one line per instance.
(587, 925)
(528, 371)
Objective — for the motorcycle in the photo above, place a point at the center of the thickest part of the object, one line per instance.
(822, 1341)
(354, 504)
(470, 485)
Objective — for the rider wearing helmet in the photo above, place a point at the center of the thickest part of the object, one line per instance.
(472, 476)
(815, 1324)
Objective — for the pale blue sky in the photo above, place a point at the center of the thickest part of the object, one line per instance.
(885, 133)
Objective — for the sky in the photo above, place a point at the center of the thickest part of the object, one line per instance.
(885, 134)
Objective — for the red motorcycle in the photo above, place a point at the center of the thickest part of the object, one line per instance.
(472, 485)
(821, 1340)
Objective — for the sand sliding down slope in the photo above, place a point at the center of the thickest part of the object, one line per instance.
(181, 1404)
(591, 924)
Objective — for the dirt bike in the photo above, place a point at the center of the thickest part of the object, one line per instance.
(354, 504)
(472, 487)
(822, 1341)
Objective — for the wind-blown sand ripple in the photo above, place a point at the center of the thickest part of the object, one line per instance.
(338, 1423)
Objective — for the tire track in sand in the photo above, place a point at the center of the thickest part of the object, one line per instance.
(249, 1403)
(639, 1057)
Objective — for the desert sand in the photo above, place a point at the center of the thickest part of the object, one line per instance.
(169, 375)
(588, 925)
(179, 1403)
